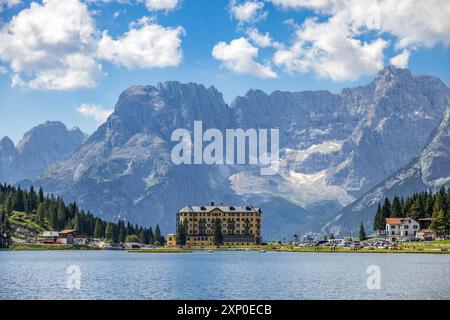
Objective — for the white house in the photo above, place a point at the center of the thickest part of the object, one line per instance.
(401, 228)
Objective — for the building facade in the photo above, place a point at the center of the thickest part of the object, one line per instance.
(239, 225)
(401, 229)
(171, 240)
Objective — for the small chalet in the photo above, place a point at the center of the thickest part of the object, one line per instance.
(70, 236)
(50, 237)
(401, 229)
(425, 231)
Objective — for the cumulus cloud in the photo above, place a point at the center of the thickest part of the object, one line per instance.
(330, 50)
(95, 112)
(165, 5)
(239, 56)
(333, 47)
(262, 40)
(55, 45)
(145, 45)
(423, 22)
(8, 4)
(51, 46)
(401, 60)
(248, 11)
(307, 4)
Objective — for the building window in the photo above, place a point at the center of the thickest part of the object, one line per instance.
(415, 226)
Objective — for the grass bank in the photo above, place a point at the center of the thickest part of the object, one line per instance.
(48, 247)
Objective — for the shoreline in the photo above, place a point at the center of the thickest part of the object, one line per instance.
(407, 250)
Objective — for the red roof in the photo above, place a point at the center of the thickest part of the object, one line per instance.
(395, 220)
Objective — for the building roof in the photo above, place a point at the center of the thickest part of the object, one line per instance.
(397, 220)
(394, 220)
(50, 234)
(199, 209)
(68, 231)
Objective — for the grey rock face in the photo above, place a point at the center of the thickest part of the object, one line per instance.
(125, 169)
(8, 159)
(399, 114)
(40, 147)
(430, 170)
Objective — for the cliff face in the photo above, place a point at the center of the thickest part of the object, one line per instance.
(429, 170)
(40, 147)
(399, 114)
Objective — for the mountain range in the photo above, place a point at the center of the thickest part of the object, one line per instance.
(39, 148)
(340, 153)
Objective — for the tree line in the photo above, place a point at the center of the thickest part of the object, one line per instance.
(51, 213)
(420, 205)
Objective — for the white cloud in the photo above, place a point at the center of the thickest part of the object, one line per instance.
(248, 11)
(145, 45)
(330, 50)
(239, 56)
(55, 45)
(262, 40)
(307, 4)
(93, 111)
(166, 5)
(401, 60)
(9, 3)
(332, 46)
(413, 22)
(51, 46)
(3, 70)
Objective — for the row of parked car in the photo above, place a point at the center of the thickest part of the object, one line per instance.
(381, 244)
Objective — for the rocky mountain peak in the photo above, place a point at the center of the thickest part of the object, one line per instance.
(6, 144)
(390, 73)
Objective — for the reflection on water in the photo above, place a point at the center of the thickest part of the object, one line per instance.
(221, 275)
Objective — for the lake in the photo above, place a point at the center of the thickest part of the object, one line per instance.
(221, 275)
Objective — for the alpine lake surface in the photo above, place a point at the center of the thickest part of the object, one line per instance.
(222, 275)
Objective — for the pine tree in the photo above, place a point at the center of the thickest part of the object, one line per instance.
(181, 233)
(416, 210)
(386, 212)
(438, 223)
(396, 208)
(77, 224)
(18, 203)
(109, 234)
(377, 225)
(41, 215)
(8, 204)
(150, 236)
(157, 240)
(98, 230)
(217, 232)
(61, 216)
(122, 231)
(142, 237)
(362, 232)
(40, 195)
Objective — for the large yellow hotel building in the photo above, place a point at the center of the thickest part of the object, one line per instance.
(241, 225)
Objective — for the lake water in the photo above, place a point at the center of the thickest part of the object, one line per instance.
(222, 275)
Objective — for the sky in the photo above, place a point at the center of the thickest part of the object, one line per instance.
(70, 60)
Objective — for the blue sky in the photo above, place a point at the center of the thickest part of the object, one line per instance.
(233, 45)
